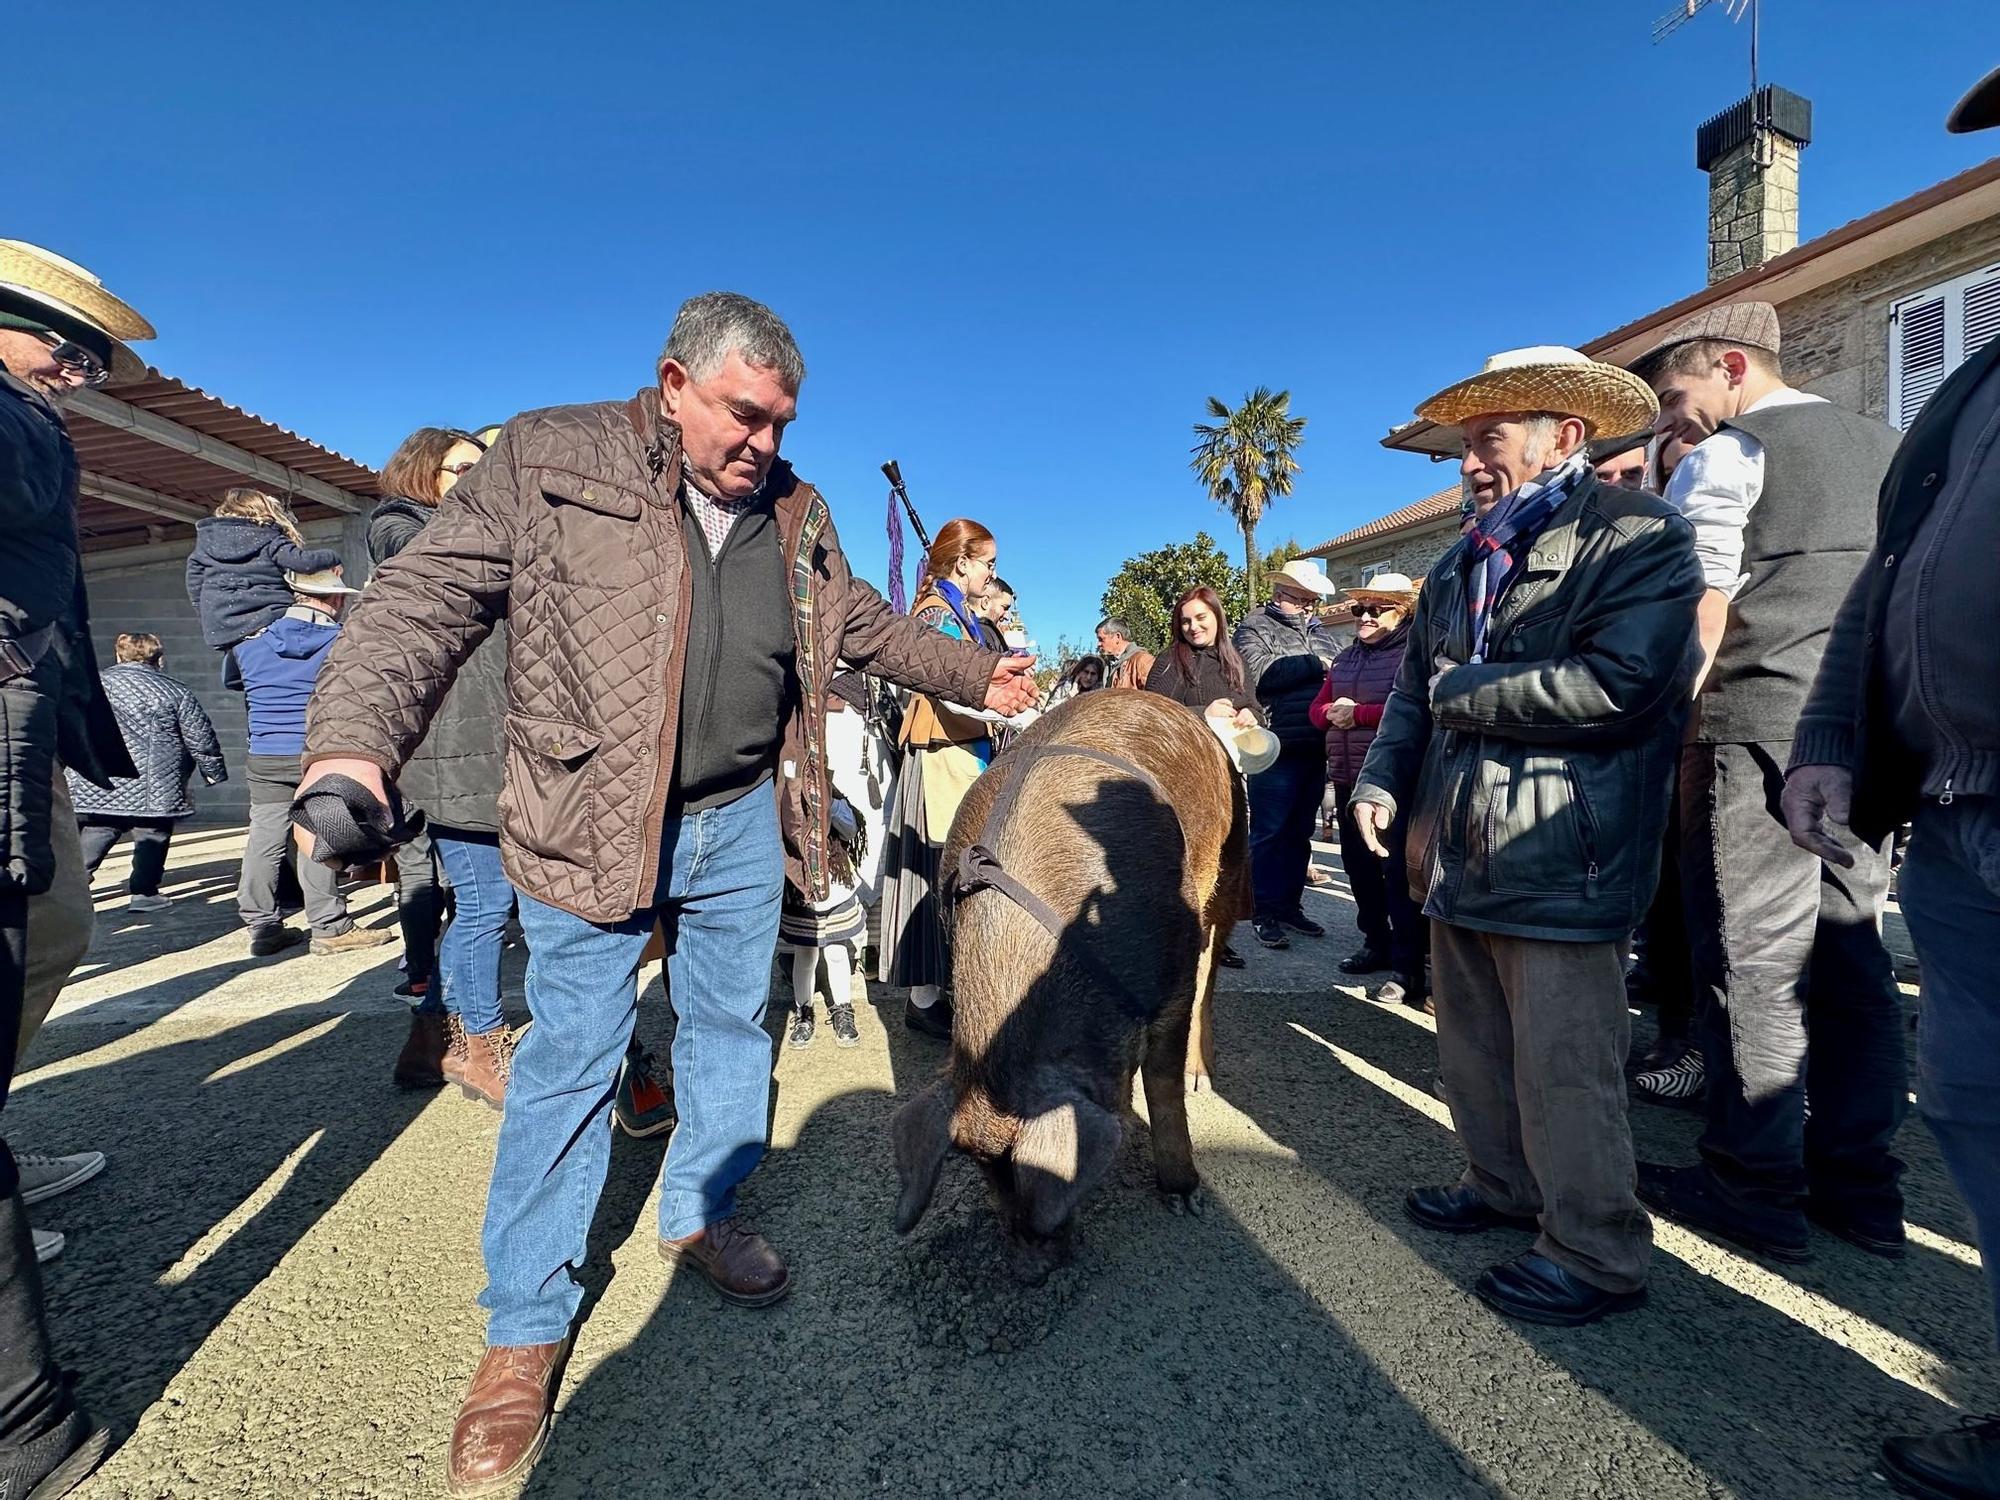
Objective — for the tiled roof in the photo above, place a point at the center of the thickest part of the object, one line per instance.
(1427, 511)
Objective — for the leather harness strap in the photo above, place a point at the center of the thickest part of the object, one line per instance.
(979, 867)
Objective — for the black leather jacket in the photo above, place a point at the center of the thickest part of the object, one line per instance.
(1536, 782)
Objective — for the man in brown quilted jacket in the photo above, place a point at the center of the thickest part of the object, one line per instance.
(676, 603)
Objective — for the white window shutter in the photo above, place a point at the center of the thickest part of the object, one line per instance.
(1917, 362)
(1934, 332)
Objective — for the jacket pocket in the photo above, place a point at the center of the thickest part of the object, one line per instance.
(548, 802)
(1538, 833)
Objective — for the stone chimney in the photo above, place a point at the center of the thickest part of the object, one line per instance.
(1751, 154)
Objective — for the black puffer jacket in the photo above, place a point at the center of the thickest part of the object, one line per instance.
(1285, 658)
(58, 707)
(236, 576)
(455, 774)
(1208, 682)
(1535, 783)
(169, 736)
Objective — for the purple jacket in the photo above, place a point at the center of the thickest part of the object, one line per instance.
(1365, 674)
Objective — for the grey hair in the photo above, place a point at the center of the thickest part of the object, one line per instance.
(1115, 626)
(711, 327)
(1540, 427)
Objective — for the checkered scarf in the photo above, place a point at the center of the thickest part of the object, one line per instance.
(1496, 541)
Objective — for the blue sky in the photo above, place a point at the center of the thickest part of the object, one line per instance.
(1018, 243)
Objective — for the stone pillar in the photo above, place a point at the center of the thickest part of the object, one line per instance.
(1751, 154)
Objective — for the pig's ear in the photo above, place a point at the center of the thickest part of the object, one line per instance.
(1059, 1156)
(921, 1132)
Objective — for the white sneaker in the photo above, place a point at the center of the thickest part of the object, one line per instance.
(48, 1244)
(42, 1177)
(149, 903)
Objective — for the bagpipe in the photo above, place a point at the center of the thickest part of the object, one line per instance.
(899, 505)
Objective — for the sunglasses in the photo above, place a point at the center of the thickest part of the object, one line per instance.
(1372, 611)
(78, 360)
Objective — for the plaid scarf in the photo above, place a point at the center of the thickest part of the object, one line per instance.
(1497, 541)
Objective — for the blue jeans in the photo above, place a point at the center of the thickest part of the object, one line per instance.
(1284, 806)
(468, 961)
(1950, 892)
(721, 880)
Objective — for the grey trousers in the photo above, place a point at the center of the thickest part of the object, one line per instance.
(1532, 1037)
(272, 782)
(60, 920)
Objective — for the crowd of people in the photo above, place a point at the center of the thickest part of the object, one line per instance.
(1644, 736)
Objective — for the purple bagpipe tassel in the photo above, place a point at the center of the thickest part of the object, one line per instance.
(899, 598)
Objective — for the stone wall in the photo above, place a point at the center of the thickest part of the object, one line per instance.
(1837, 338)
(1412, 552)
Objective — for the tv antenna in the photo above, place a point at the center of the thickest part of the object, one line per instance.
(1685, 12)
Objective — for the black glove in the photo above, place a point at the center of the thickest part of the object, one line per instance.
(349, 826)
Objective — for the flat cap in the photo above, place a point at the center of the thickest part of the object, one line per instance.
(1979, 108)
(1747, 325)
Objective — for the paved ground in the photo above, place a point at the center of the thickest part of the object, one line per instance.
(272, 1288)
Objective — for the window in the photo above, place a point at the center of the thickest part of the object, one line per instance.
(1369, 570)
(1934, 332)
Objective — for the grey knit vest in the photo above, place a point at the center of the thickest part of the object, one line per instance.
(1806, 539)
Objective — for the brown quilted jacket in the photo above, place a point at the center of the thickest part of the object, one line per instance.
(570, 529)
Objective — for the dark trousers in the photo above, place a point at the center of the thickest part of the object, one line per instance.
(1389, 919)
(1951, 897)
(419, 905)
(150, 837)
(1662, 973)
(1798, 997)
(1284, 804)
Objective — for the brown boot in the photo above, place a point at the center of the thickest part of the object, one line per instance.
(453, 1066)
(489, 1062)
(503, 1423)
(421, 1063)
(738, 1262)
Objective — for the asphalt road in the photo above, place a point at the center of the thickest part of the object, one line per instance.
(272, 1288)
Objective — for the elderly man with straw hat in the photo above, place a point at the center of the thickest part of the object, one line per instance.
(59, 329)
(1530, 743)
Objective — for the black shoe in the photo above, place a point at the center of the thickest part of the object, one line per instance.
(413, 989)
(800, 1033)
(932, 1020)
(1885, 1237)
(273, 937)
(1298, 921)
(1269, 933)
(1687, 1195)
(56, 1462)
(1458, 1209)
(1963, 1464)
(1663, 1054)
(1367, 961)
(841, 1019)
(1537, 1290)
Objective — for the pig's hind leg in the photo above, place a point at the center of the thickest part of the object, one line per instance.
(1166, 1105)
(1200, 1051)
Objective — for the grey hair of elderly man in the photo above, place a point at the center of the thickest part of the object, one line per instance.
(712, 326)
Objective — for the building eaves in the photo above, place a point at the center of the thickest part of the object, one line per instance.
(1425, 512)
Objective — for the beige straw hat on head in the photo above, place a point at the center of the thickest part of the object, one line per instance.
(1548, 377)
(63, 287)
(1396, 590)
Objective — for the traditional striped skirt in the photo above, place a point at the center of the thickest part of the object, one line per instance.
(801, 924)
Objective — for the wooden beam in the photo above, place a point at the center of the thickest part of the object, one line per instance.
(132, 497)
(108, 409)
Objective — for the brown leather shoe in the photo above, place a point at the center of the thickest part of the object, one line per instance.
(489, 1063)
(738, 1262)
(421, 1063)
(503, 1423)
(453, 1065)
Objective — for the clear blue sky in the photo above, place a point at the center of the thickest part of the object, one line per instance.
(1019, 243)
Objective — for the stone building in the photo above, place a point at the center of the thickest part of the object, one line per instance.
(157, 456)
(1875, 314)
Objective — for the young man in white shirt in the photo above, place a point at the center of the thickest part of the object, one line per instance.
(1780, 487)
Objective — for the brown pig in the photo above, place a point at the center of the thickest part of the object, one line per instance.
(1086, 926)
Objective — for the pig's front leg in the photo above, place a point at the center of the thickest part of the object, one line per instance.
(1166, 1104)
(1200, 1068)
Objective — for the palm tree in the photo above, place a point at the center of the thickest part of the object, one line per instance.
(1244, 458)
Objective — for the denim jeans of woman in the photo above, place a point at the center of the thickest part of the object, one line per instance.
(720, 882)
(468, 966)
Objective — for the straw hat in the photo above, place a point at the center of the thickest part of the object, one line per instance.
(1548, 377)
(1304, 573)
(326, 583)
(38, 278)
(1395, 590)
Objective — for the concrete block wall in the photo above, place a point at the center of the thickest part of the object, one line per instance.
(144, 589)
